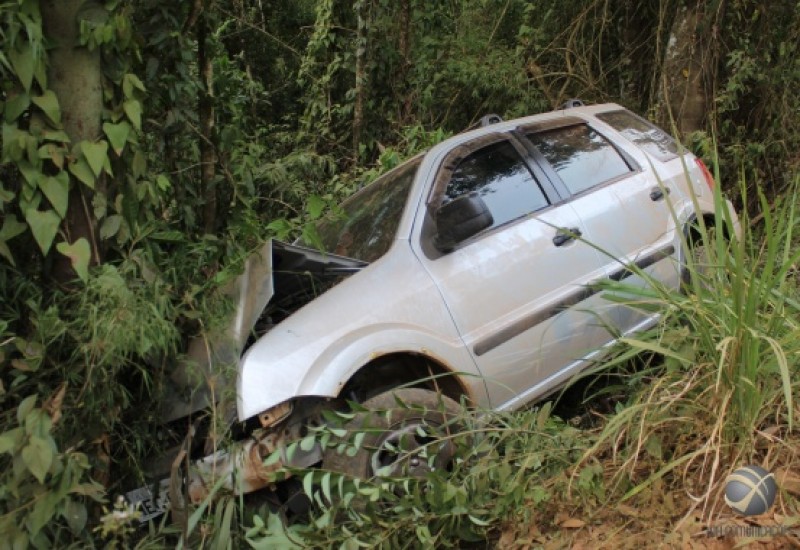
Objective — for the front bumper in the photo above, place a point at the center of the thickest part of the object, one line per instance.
(257, 462)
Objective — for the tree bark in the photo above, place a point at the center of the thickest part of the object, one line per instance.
(75, 76)
(684, 97)
(208, 156)
(405, 57)
(361, 76)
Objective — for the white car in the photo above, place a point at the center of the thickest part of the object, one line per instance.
(468, 272)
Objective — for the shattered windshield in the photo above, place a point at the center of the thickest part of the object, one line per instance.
(368, 222)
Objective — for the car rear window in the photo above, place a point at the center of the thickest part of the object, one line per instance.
(499, 175)
(645, 135)
(580, 156)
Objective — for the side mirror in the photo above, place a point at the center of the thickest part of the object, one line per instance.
(459, 220)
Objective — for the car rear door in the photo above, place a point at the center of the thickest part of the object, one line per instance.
(518, 291)
(624, 208)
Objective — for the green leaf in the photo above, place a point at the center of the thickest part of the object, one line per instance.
(6, 253)
(48, 103)
(315, 206)
(75, 514)
(169, 236)
(117, 135)
(14, 143)
(38, 423)
(95, 154)
(56, 189)
(326, 485)
(43, 511)
(308, 485)
(11, 228)
(25, 408)
(44, 226)
(23, 62)
(110, 226)
(24, 366)
(15, 106)
(307, 443)
(53, 152)
(79, 254)
(129, 82)
(99, 206)
(478, 521)
(162, 182)
(81, 170)
(9, 440)
(55, 135)
(139, 165)
(6, 195)
(133, 109)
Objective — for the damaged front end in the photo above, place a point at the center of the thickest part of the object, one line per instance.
(277, 280)
(242, 467)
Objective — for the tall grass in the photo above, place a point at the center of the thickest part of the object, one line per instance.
(730, 344)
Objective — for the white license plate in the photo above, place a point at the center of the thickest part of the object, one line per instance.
(149, 504)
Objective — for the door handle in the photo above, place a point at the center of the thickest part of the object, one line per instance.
(565, 235)
(657, 193)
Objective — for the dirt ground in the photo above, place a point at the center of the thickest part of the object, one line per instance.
(670, 520)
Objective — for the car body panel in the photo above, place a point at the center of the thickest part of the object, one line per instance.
(480, 310)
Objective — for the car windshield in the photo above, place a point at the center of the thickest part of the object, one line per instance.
(368, 222)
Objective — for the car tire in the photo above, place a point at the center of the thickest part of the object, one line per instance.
(699, 263)
(408, 432)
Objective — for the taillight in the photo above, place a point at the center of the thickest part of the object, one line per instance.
(706, 174)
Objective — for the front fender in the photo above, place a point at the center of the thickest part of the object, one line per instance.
(391, 306)
(327, 373)
(337, 365)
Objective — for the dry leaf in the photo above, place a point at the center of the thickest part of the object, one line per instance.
(788, 480)
(572, 523)
(53, 403)
(629, 511)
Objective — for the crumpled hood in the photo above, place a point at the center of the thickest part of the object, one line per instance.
(287, 275)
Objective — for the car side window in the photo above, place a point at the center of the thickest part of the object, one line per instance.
(647, 136)
(580, 156)
(498, 174)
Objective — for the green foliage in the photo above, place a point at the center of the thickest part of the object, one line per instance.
(509, 468)
(284, 92)
(44, 491)
(756, 110)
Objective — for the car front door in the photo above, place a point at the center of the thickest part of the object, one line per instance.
(518, 290)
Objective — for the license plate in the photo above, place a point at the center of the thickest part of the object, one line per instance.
(150, 504)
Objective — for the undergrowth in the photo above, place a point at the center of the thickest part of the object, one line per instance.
(718, 390)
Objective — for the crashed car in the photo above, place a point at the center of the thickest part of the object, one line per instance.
(469, 274)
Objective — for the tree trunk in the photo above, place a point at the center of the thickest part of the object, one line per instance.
(208, 157)
(361, 76)
(75, 76)
(405, 58)
(684, 97)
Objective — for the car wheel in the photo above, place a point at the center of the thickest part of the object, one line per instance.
(408, 432)
(700, 263)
